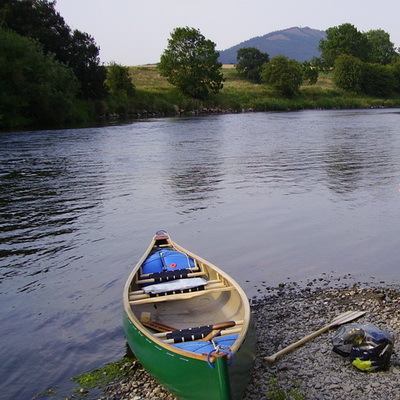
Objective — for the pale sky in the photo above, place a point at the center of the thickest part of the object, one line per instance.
(136, 32)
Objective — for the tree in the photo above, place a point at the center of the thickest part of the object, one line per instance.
(348, 73)
(378, 80)
(190, 62)
(34, 87)
(250, 61)
(310, 72)
(119, 82)
(85, 62)
(38, 19)
(344, 39)
(382, 49)
(396, 75)
(283, 74)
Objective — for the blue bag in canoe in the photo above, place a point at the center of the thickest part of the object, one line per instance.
(166, 260)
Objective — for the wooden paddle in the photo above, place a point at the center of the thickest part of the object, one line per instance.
(339, 320)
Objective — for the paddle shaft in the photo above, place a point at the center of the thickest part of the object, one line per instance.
(341, 319)
(298, 343)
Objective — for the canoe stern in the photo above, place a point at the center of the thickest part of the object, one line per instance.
(191, 378)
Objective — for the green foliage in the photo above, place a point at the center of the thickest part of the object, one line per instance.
(344, 39)
(284, 75)
(310, 73)
(348, 73)
(250, 62)
(353, 75)
(395, 67)
(35, 88)
(39, 20)
(382, 50)
(190, 62)
(84, 61)
(119, 81)
(378, 80)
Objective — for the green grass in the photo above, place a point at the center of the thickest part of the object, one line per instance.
(155, 95)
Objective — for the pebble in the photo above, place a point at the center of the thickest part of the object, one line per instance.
(282, 317)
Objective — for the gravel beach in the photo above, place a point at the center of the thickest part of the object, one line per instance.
(284, 315)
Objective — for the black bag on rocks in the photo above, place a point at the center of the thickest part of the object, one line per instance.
(368, 347)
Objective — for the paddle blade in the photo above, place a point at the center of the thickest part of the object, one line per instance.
(346, 317)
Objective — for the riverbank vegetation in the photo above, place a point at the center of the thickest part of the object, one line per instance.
(51, 76)
(154, 95)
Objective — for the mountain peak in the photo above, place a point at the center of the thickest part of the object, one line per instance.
(298, 43)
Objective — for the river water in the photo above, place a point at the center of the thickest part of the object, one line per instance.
(268, 197)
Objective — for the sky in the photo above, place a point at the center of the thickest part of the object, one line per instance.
(136, 32)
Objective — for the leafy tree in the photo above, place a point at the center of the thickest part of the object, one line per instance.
(344, 39)
(395, 67)
(190, 62)
(39, 20)
(348, 73)
(85, 62)
(310, 73)
(378, 79)
(283, 74)
(34, 87)
(382, 49)
(250, 61)
(119, 82)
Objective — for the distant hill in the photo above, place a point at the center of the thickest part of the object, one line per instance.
(298, 43)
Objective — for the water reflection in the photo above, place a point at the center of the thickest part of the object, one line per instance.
(357, 157)
(304, 193)
(194, 170)
(44, 192)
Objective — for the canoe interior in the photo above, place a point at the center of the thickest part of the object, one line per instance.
(220, 300)
(202, 309)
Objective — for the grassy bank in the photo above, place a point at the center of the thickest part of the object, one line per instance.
(155, 95)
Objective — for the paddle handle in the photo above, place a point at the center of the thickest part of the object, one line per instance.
(297, 344)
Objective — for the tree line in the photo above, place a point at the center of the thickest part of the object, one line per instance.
(49, 73)
(361, 62)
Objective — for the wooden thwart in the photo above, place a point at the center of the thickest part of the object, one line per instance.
(139, 297)
(180, 296)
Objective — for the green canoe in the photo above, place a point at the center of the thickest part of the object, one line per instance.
(189, 323)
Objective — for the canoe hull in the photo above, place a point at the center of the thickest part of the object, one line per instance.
(215, 368)
(189, 378)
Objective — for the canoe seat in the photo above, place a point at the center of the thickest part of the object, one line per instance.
(189, 334)
(185, 285)
(139, 297)
(224, 342)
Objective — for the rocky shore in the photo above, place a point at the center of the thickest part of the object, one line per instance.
(284, 315)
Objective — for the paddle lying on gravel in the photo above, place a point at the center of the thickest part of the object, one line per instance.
(339, 320)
